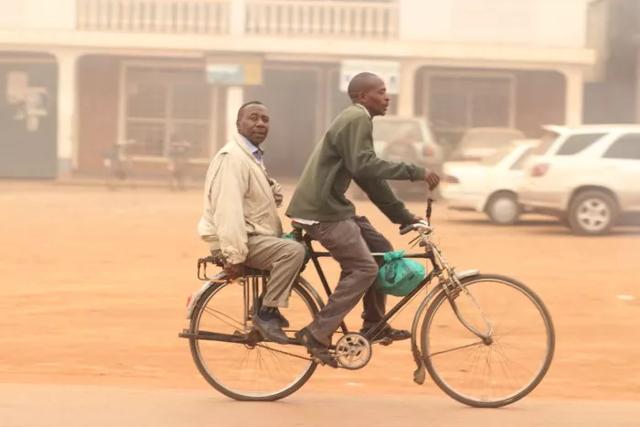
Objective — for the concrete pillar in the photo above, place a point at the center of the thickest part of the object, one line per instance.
(406, 88)
(235, 98)
(214, 122)
(237, 17)
(574, 96)
(67, 112)
(637, 97)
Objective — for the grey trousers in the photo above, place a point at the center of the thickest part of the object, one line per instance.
(284, 258)
(350, 243)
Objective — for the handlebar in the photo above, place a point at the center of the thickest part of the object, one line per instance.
(425, 225)
(407, 228)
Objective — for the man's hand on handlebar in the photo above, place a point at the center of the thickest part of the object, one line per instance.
(432, 179)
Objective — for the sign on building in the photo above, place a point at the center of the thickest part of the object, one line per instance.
(234, 71)
(389, 72)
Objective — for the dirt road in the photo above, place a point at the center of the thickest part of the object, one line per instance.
(100, 406)
(94, 285)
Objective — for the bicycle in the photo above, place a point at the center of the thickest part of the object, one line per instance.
(118, 164)
(178, 164)
(476, 354)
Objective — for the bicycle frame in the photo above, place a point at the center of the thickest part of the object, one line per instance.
(377, 328)
(449, 282)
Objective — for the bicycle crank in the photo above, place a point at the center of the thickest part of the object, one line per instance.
(353, 351)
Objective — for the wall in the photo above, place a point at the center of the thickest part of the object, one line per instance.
(38, 14)
(97, 110)
(557, 23)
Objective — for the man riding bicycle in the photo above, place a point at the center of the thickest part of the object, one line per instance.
(320, 207)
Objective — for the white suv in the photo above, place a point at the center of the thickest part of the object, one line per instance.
(588, 176)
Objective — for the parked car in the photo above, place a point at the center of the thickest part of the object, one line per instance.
(491, 185)
(408, 140)
(588, 176)
(478, 143)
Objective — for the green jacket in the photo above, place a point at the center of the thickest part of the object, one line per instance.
(346, 153)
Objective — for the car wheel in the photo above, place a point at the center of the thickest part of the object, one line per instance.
(503, 208)
(592, 213)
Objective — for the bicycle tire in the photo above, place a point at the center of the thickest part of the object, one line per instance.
(458, 373)
(215, 379)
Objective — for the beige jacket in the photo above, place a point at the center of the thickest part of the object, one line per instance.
(239, 200)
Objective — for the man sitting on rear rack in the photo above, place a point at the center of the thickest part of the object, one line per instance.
(240, 221)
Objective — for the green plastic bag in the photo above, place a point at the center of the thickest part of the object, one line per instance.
(291, 236)
(399, 276)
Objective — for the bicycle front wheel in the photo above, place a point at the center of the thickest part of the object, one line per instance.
(514, 355)
(264, 371)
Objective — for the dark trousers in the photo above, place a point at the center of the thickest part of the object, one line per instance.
(350, 242)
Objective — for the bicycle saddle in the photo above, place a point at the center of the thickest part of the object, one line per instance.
(299, 232)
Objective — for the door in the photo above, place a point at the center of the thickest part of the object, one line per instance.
(28, 120)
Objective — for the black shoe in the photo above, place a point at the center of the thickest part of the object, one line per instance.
(268, 323)
(315, 348)
(284, 323)
(388, 335)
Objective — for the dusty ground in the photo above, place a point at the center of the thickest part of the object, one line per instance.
(108, 406)
(94, 285)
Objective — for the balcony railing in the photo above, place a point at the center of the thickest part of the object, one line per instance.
(322, 18)
(154, 16)
(298, 18)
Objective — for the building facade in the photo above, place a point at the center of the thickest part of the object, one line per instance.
(82, 75)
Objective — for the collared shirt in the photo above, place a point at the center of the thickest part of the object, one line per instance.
(253, 149)
(364, 108)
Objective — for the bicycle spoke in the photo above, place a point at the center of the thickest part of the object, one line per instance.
(220, 315)
(456, 348)
(283, 352)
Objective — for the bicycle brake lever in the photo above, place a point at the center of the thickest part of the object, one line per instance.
(414, 240)
(429, 203)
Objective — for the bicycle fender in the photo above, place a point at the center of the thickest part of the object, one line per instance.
(311, 290)
(195, 297)
(467, 273)
(419, 374)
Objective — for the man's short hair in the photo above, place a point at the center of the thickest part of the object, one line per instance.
(359, 83)
(246, 104)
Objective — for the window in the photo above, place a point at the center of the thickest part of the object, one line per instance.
(164, 106)
(460, 102)
(519, 164)
(546, 141)
(576, 143)
(626, 147)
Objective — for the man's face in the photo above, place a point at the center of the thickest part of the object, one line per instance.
(375, 98)
(253, 123)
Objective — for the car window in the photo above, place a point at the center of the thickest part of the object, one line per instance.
(519, 163)
(626, 147)
(497, 156)
(576, 143)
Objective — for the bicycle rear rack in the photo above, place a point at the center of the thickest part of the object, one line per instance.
(202, 266)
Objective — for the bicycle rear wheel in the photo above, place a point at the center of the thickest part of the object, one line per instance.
(510, 363)
(265, 371)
